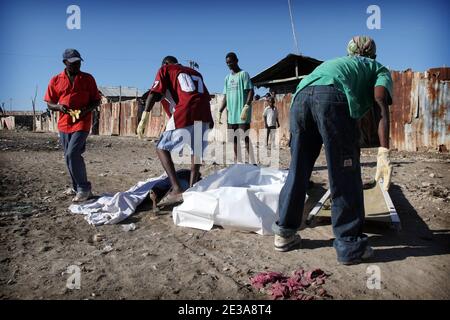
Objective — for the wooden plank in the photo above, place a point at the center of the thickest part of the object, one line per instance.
(377, 203)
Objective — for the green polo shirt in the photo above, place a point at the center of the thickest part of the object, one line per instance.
(353, 75)
(235, 86)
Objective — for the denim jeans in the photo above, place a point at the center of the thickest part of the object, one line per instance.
(74, 145)
(319, 114)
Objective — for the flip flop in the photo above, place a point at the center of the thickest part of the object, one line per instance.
(170, 199)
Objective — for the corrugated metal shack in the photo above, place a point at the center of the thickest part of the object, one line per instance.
(284, 76)
(119, 94)
(11, 120)
(420, 115)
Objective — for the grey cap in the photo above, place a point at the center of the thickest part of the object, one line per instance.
(72, 55)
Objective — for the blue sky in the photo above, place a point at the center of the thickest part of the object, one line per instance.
(123, 42)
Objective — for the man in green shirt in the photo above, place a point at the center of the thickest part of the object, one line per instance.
(238, 91)
(325, 110)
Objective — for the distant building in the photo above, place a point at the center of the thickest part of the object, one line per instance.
(284, 76)
(116, 94)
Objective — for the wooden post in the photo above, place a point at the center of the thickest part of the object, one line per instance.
(33, 103)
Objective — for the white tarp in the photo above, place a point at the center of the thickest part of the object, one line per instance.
(243, 197)
(111, 209)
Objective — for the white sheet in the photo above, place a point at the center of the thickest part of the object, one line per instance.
(242, 197)
(111, 209)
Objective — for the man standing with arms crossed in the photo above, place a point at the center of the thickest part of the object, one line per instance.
(74, 94)
(238, 91)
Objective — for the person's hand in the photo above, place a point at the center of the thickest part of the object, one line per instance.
(142, 124)
(219, 117)
(384, 167)
(244, 113)
(62, 108)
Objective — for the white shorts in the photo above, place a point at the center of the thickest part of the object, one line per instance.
(194, 136)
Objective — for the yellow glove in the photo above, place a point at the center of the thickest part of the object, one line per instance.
(244, 113)
(219, 117)
(384, 167)
(75, 114)
(142, 124)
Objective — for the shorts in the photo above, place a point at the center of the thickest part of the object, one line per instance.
(175, 140)
(233, 135)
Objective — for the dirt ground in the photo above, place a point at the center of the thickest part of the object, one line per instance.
(40, 239)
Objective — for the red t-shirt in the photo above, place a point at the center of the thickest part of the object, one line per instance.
(186, 98)
(78, 96)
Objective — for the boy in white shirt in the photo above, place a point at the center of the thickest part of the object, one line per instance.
(271, 118)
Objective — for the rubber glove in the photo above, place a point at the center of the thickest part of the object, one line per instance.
(142, 124)
(75, 114)
(384, 167)
(244, 113)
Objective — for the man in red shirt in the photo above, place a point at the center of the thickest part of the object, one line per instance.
(185, 99)
(74, 95)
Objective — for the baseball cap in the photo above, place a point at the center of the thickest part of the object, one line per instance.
(72, 55)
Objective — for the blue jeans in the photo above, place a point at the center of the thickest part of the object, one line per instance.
(319, 114)
(74, 145)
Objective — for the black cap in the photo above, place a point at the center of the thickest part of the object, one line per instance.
(72, 55)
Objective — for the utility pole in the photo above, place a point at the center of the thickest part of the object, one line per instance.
(293, 27)
(33, 104)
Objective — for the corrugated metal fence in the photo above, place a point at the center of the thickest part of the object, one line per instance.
(420, 115)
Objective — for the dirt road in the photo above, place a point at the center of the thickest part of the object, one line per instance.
(40, 239)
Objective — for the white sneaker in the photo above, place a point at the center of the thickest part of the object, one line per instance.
(82, 196)
(285, 244)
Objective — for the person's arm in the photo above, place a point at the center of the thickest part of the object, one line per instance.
(381, 98)
(152, 98)
(384, 167)
(223, 105)
(89, 109)
(57, 107)
(249, 93)
(265, 118)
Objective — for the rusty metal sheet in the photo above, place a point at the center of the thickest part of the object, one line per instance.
(420, 115)
(105, 119)
(157, 122)
(7, 123)
(115, 119)
(282, 102)
(128, 118)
